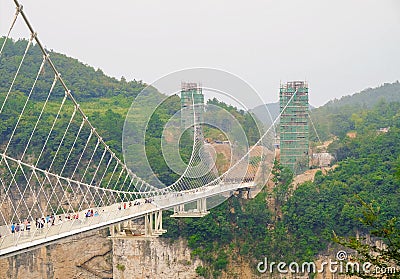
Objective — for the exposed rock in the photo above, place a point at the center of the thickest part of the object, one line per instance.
(86, 256)
(153, 258)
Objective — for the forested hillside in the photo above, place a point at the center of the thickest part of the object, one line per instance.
(260, 112)
(104, 99)
(368, 98)
(338, 117)
(83, 80)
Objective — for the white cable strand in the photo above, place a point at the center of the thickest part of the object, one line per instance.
(11, 27)
(1, 212)
(51, 129)
(119, 176)
(88, 164)
(105, 171)
(72, 147)
(24, 107)
(90, 160)
(9, 191)
(62, 139)
(16, 74)
(315, 130)
(39, 117)
(112, 174)
(83, 151)
(98, 166)
(53, 187)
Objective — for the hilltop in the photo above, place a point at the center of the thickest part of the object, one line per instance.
(262, 115)
(338, 117)
(368, 98)
(84, 81)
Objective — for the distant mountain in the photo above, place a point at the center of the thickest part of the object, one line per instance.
(368, 98)
(262, 114)
(339, 116)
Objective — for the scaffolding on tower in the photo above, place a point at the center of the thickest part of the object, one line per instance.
(293, 127)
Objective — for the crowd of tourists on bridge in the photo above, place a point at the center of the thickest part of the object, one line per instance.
(51, 220)
(20, 227)
(136, 202)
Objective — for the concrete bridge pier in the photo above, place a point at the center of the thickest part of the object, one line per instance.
(199, 211)
(149, 226)
(153, 224)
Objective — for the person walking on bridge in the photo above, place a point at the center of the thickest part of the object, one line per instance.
(28, 227)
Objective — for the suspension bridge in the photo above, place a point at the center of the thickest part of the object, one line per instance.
(57, 184)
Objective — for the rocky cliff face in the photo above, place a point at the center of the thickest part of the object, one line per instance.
(153, 258)
(86, 255)
(95, 256)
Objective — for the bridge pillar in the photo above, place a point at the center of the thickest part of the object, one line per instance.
(116, 230)
(149, 226)
(199, 211)
(244, 193)
(153, 224)
(179, 208)
(202, 205)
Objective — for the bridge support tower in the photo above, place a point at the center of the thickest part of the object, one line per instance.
(150, 226)
(199, 211)
(244, 193)
(153, 224)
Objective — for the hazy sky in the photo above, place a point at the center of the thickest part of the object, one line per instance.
(339, 47)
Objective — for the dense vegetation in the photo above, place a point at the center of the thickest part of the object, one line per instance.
(338, 117)
(385, 259)
(105, 100)
(368, 98)
(84, 81)
(247, 121)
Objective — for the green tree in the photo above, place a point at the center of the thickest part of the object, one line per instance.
(386, 258)
(282, 178)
